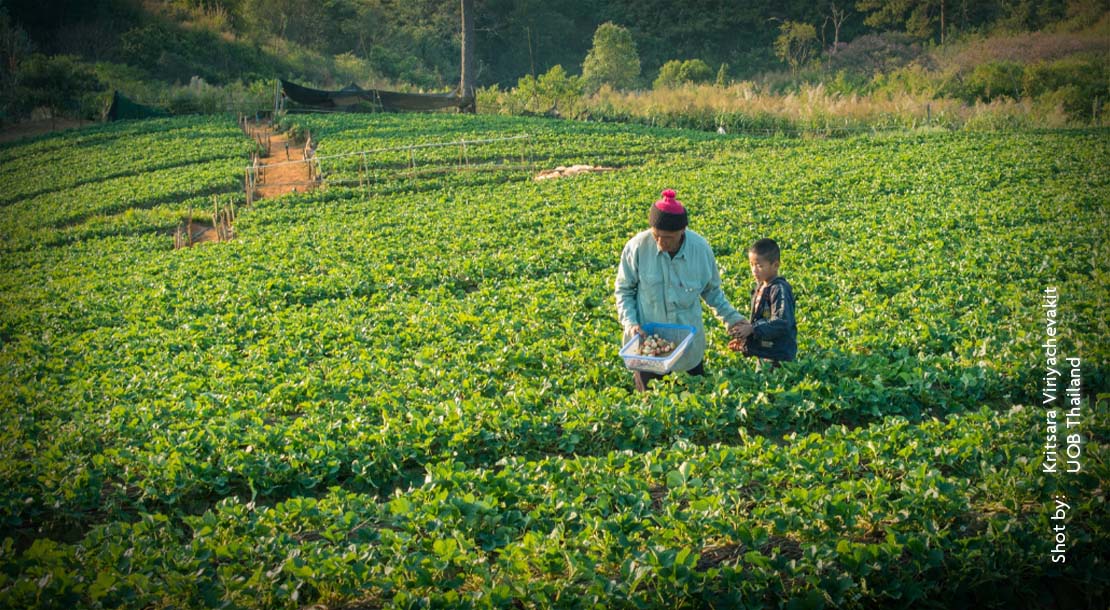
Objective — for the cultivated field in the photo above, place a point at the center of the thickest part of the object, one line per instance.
(404, 389)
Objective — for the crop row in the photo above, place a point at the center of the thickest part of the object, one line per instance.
(891, 512)
(307, 340)
(128, 149)
(130, 183)
(355, 352)
(546, 144)
(324, 391)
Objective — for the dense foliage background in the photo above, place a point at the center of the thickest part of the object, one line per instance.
(417, 40)
(201, 55)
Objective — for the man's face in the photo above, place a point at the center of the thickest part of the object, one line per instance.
(668, 241)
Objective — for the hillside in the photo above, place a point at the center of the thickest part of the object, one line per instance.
(998, 63)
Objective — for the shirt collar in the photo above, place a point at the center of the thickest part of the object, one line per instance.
(681, 249)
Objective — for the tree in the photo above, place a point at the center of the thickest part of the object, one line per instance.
(15, 46)
(795, 44)
(837, 17)
(297, 21)
(918, 18)
(466, 81)
(530, 36)
(612, 60)
(722, 76)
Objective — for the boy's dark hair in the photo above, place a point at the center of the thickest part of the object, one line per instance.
(766, 249)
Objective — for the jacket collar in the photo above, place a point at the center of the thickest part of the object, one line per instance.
(778, 280)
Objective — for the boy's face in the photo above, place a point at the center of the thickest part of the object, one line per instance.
(762, 270)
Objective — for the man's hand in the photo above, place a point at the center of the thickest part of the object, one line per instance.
(740, 330)
(636, 329)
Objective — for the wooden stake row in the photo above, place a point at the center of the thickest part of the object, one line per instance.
(223, 220)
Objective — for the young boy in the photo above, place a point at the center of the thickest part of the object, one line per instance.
(772, 335)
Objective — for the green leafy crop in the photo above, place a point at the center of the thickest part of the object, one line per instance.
(408, 394)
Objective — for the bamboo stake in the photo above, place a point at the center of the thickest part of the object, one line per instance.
(216, 216)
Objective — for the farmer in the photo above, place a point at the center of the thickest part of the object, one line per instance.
(664, 274)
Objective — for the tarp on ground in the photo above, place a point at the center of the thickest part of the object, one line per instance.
(125, 108)
(352, 95)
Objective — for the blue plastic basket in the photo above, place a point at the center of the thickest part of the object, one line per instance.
(679, 334)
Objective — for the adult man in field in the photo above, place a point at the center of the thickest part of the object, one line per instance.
(665, 272)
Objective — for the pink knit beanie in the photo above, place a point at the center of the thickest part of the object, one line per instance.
(668, 214)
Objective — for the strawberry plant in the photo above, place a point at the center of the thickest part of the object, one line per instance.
(410, 394)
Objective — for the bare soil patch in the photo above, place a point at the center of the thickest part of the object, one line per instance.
(28, 129)
(192, 231)
(196, 232)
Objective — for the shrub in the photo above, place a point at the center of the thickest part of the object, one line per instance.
(553, 93)
(676, 73)
(994, 79)
(914, 79)
(1074, 83)
(60, 84)
(557, 92)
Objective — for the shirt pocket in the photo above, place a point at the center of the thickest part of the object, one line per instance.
(687, 294)
(690, 286)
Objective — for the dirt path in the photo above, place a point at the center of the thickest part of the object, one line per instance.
(284, 169)
(280, 171)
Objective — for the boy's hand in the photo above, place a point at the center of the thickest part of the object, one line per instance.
(740, 330)
(739, 333)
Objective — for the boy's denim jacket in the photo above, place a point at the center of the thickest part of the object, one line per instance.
(774, 331)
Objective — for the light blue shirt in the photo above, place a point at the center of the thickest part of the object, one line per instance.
(653, 286)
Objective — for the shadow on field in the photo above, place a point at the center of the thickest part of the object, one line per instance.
(10, 199)
(48, 238)
(70, 222)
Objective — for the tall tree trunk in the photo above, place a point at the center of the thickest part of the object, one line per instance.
(466, 84)
(941, 21)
